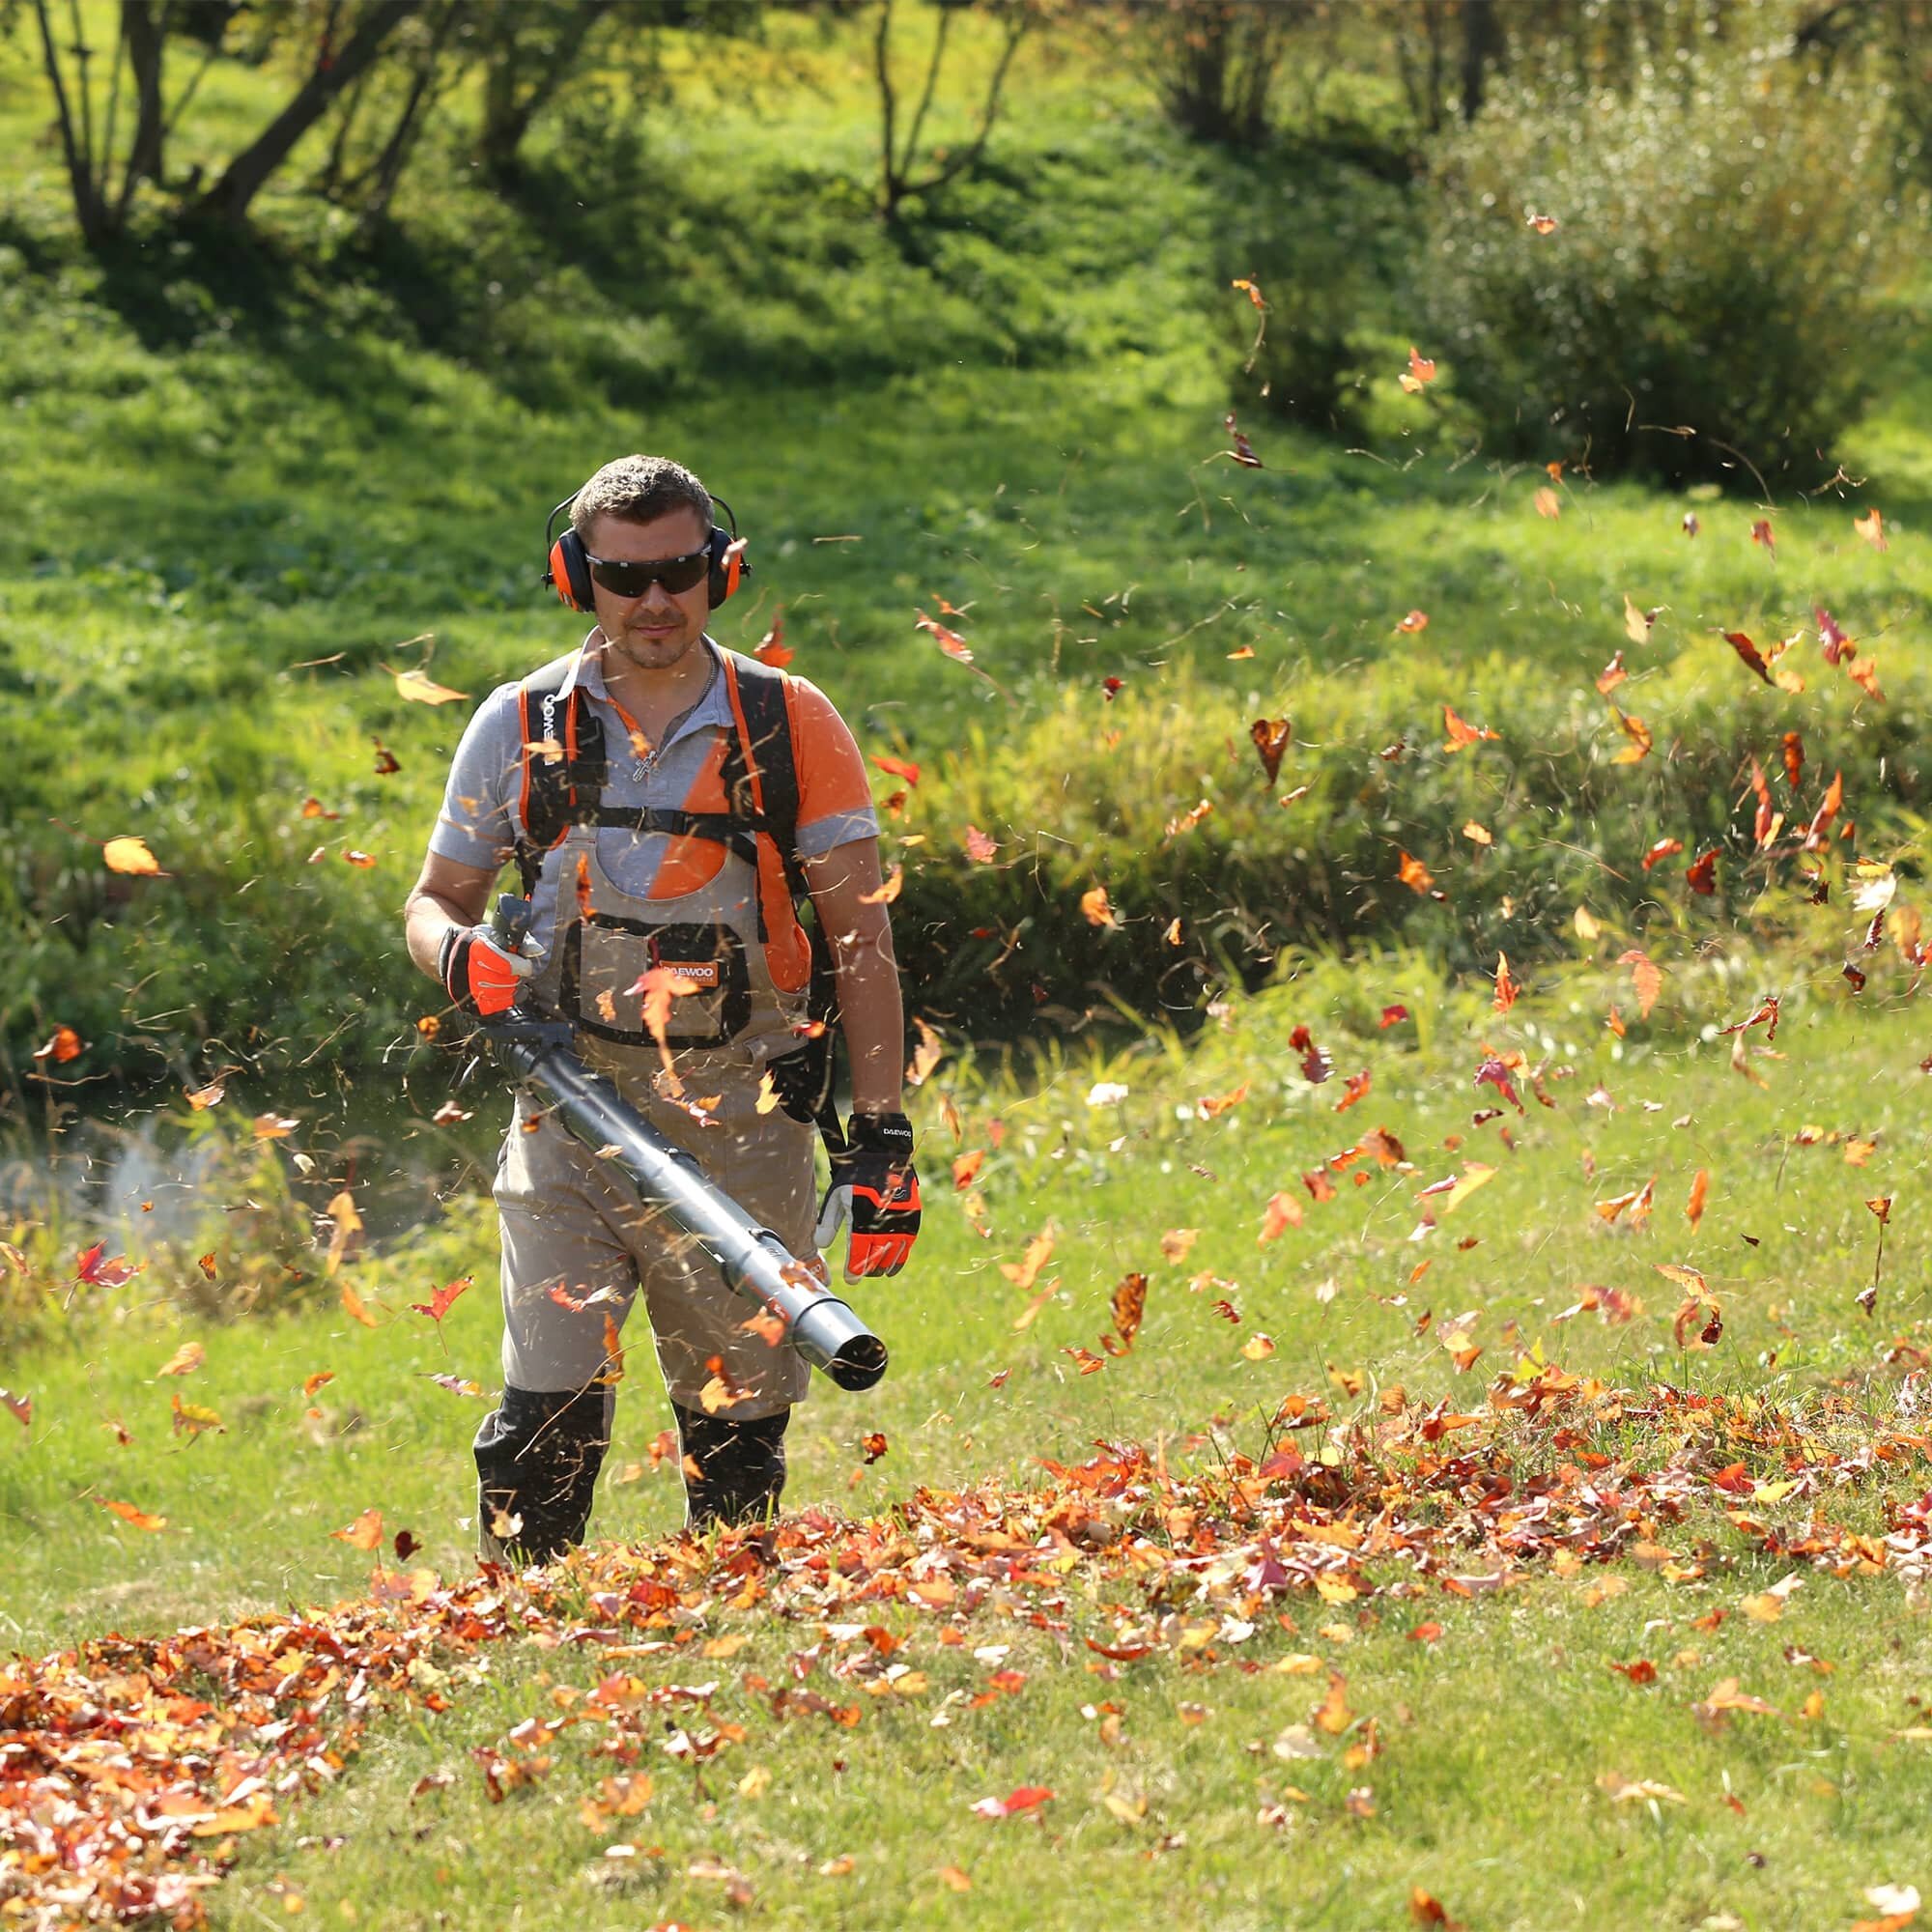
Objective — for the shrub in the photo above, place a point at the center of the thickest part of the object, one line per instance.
(1729, 232)
(1252, 879)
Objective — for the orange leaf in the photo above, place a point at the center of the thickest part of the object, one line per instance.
(1638, 734)
(899, 768)
(772, 647)
(1648, 976)
(1283, 1211)
(365, 1533)
(1701, 1186)
(1094, 905)
(1026, 1271)
(1506, 985)
(949, 642)
(1271, 737)
(62, 1044)
(1461, 733)
(889, 888)
(1872, 528)
(980, 849)
(129, 1513)
(1420, 369)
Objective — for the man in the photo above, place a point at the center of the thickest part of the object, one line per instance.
(628, 782)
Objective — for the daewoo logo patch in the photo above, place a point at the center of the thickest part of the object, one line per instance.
(701, 972)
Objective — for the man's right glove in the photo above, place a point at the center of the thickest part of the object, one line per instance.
(873, 1182)
(479, 974)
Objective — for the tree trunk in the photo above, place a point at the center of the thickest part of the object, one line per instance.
(145, 41)
(229, 200)
(1478, 32)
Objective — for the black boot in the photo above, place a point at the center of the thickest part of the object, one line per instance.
(537, 1458)
(743, 1466)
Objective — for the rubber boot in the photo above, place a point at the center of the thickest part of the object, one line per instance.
(742, 1464)
(537, 1458)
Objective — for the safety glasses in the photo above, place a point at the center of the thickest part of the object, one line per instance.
(623, 577)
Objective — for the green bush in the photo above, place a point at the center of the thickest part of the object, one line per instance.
(1729, 234)
(1079, 800)
(1325, 241)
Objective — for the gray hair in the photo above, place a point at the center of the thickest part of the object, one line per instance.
(638, 489)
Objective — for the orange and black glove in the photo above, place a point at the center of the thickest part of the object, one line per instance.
(479, 973)
(873, 1184)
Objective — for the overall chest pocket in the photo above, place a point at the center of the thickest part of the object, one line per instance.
(604, 956)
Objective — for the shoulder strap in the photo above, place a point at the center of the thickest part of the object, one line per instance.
(765, 716)
(767, 723)
(556, 792)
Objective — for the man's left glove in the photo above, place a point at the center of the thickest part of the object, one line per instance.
(874, 1184)
(479, 974)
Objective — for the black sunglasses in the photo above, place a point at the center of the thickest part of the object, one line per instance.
(623, 577)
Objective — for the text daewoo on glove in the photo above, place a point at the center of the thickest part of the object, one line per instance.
(872, 1183)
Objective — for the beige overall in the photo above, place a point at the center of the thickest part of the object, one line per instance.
(572, 1225)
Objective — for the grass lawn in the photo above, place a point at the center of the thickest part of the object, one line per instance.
(1482, 1782)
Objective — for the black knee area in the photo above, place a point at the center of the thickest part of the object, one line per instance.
(741, 1465)
(537, 1458)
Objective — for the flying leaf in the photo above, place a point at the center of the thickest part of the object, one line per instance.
(1648, 978)
(1701, 1186)
(1271, 737)
(1740, 642)
(19, 1406)
(899, 768)
(980, 849)
(1283, 1211)
(190, 1419)
(356, 1309)
(347, 1224)
(889, 889)
(1638, 734)
(90, 1268)
(62, 1044)
(1129, 1306)
(1548, 504)
(949, 642)
(1506, 984)
(128, 854)
(1420, 369)
(1872, 528)
(184, 1360)
(1415, 874)
(1416, 620)
(1025, 1798)
(130, 1513)
(925, 1056)
(365, 1533)
(1026, 1271)
(1243, 451)
(1637, 622)
(1461, 733)
(1095, 909)
(420, 689)
(771, 648)
(442, 1299)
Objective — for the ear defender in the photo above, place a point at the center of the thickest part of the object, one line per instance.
(727, 563)
(569, 572)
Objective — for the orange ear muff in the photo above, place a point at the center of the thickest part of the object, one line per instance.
(560, 575)
(734, 564)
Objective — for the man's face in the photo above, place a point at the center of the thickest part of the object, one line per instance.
(652, 632)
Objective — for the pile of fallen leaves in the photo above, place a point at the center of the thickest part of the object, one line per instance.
(128, 1766)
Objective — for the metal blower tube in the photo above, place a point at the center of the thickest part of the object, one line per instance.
(754, 1262)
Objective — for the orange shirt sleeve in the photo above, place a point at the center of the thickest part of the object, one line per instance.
(835, 795)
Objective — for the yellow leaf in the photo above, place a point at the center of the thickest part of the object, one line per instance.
(347, 1224)
(419, 689)
(131, 855)
(183, 1361)
(356, 1309)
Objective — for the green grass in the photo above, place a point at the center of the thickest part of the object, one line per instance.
(1492, 1738)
